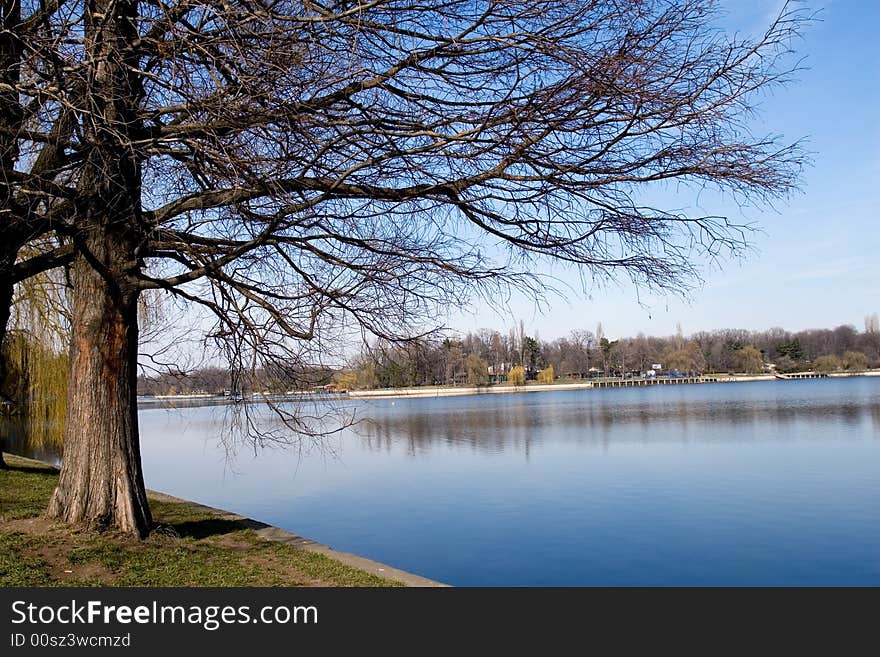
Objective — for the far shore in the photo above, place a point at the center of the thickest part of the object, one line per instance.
(450, 391)
(456, 391)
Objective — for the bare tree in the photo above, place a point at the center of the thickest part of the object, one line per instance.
(302, 167)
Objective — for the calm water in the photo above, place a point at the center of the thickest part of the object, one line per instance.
(773, 483)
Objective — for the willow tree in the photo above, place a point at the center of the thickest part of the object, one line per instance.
(34, 356)
(296, 166)
(33, 360)
(33, 332)
(33, 158)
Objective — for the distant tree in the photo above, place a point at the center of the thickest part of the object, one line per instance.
(732, 345)
(521, 343)
(749, 360)
(456, 361)
(689, 358)
(843, 339)
(791, 348)
(698, 359)
(546, 375)
(854, 361)
(785, 364)
(606, 346)
(642, 352)
(532, 354)
(477, 371)
(517, 376)
(346, 380)
(869, 344)
(677, 360)
(827, 363)
(366, 376)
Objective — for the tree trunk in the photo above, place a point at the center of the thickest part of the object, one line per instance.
(6, 290)
(101, 482)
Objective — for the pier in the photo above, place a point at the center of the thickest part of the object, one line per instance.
(654, 381)
(801, 375)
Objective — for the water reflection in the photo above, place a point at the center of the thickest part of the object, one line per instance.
(16, 437)
(762, 484)
(516, 422)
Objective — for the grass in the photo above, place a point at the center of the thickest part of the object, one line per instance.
(19, 565)
(25, 488)
(192, 546)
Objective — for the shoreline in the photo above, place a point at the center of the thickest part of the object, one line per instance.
(450, 391)
(275, 534)
(422, 392)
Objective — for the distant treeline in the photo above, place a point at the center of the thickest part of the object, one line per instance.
(490, 356)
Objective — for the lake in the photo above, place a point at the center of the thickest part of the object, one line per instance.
(769, 483)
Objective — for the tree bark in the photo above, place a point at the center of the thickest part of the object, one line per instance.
(101, 482)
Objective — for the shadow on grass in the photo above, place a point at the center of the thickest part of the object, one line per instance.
(47, 471)
(199, 529)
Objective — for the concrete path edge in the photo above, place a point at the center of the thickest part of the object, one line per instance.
(272, 533)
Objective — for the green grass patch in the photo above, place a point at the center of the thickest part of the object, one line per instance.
(19, 566)
(25, 488)
(192, 546)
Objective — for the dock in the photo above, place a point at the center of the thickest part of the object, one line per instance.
(655, 381)
(801, 375)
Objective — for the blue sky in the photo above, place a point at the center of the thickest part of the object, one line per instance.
(815, 259)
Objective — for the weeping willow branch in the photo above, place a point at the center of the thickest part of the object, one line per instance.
(35, 353)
